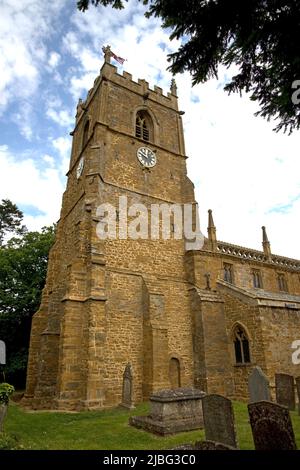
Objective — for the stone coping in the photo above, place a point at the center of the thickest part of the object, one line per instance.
(261, 297)
(177, 394)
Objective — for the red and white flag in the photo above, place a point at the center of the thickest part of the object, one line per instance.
(117, 58)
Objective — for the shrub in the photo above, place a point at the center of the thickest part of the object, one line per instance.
(6, 390)
(8, 442)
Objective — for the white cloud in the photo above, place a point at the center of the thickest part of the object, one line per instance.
(24, 28)
(62, 117)
(56, 112)
(242, 169)
(130, 35)
(24, 119)
(49, 160)
(80, 85)
(54, 59)
(63, 146)
(102, 24)
(82, 77)
(25, 184)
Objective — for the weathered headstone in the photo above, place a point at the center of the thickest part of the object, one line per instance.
(127, 391)
(184, 447)
(271, 426)
(298, 392)
(204, 445)
(212, 445)
(258, 386)
(172, 411)
(218, 420)
(2, 353)
(285, 391)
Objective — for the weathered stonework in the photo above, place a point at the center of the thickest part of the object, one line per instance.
(219, 423)
(258, 386)
(172, 411)
(271, 426)
(150, 303)
(127, 394)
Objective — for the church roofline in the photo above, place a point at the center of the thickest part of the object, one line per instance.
(244, 253)
(256, 255)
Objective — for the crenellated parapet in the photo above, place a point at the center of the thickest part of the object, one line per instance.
(110, 73)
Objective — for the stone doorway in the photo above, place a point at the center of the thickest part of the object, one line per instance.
(174, 373)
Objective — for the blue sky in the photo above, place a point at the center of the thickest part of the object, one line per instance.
(50, 55)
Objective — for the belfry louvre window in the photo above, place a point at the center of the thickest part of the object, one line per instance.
(143, 126)
(241, 346)
(228, 272)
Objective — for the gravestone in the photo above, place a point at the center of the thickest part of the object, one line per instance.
(212, 445)
(285, 391)
(298, 392)
(204, 445)
(184, 447)
(258, 386)
(271, 426)
(172, 411)
(2, 353)
(127, 391)
(218, 420)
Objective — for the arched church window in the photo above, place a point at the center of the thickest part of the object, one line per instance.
(257, 279)
(228, 273)
(241, 346)
(282, 283)
(85, 135)
(144, 126)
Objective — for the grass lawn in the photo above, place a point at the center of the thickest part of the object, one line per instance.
(108, 430)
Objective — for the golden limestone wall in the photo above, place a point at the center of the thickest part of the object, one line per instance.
(271, 330)
(280, 328)
(129, 337)
(238, 312)
(211, 350)
(201, 262)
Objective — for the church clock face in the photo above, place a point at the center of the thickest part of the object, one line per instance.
(146, 157)
(79, 168)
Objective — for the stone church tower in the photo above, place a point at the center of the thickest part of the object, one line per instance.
(179, 317)
(107, 303)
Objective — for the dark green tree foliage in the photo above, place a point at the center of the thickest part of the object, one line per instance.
(10, 219)
(23, 268)
(260, 37)
(84, 4)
